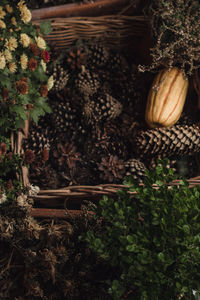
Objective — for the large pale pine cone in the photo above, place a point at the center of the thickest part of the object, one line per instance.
(175, 140)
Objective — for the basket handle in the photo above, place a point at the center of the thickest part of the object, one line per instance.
(93, 9)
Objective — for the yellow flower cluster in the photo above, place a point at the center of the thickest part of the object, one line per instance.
(2, 24)
(2, 61)
(11, 43)
(24, 40)
(25, 12)
(8, 55)
(40, 42)
(12, 67)
(21, 51)
(2, 13)
(9, 9)
(24, 61)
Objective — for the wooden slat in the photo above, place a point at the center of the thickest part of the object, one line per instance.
(101, 7)
(56, 213)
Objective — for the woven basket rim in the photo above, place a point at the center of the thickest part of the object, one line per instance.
(85, 191)
(115, 30)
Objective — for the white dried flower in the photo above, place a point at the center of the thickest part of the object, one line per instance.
(34, 190)
(13, 21)
(11, 44)
(2, 61)
(9, 8)
(12, 67)
(8, 55)
(21, 200)
(25, 14)
(24, 61)
(2, 13)
(25, 40)
(2, 24)
(50, 83)
(40, 42)
(3, 198)
(20, 4)
(44, 65)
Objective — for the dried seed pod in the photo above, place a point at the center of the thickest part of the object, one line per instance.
(176, 140)
(44, 175)
(102, 144)
(111, 169)
(76, 58)
(64, 156)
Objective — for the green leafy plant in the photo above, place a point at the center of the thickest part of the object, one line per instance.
(24, 83)
(152, 237)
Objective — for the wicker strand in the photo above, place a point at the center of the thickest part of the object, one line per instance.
(95, 192)
(114, 30)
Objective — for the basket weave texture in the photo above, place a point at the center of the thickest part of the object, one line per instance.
(117, 31)
(114, 30)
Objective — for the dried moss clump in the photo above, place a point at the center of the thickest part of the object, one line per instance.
(176, 32)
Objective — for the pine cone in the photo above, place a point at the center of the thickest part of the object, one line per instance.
(62, 116)
(38, 138)
(87, 82)
(185, 119)
(100, 107)
(103, 142)
(60, 77)
(135, 168)
(176, 140)
(98, 56)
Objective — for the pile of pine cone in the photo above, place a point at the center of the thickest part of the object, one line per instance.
(96, 132)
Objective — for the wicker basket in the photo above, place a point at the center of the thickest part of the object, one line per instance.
(119, 30)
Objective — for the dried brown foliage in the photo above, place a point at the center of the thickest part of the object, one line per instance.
(46, 260)
(176, 31)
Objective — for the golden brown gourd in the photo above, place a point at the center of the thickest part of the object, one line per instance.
(166, 98)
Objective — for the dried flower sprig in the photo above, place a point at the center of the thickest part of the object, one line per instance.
(176, 31)
(23, 58)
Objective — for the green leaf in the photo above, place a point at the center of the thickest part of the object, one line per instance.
(131, 248)
(186, 229)
(45, 27)
(117, 289)
(19, 110)
(161, 257)
(34, 114)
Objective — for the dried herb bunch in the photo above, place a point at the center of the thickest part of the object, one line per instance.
(46, 260)
(176, 31)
